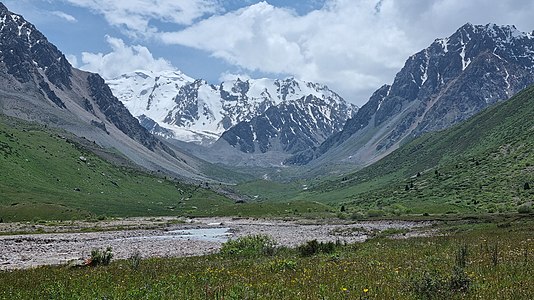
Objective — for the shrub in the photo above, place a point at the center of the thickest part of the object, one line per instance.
(373, 213)
(135, 260)
(283, 265)
(314, 247)
(428, 285)
(524, 209)
(461, 256)
(459, 281)
(309, 249)
(99, 257)
(249, 246)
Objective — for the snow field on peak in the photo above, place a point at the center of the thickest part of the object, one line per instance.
(196, 111)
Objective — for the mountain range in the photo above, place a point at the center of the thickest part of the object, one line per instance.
(482, 165)
(442, 85)
(38, 84)
(255, 115)
(442, 136)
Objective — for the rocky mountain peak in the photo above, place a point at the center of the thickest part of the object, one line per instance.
(448, 82)
(196, 111)
(26, 52)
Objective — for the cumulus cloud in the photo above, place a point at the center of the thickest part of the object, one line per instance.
(354, 46)
(122, 59)
(64, 16)
(334, 45)
(135, 15)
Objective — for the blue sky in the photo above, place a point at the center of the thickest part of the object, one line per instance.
(353, 46)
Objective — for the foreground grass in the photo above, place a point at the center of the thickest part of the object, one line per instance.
(500, 261)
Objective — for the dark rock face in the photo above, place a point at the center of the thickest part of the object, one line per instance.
(446, 83)
(186, 109)
(295, 125)
(119, 116)
(26, 54)
(154, 128)
(23, 49)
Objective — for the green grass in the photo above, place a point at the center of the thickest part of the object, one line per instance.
(269, 190)
(479, 166)
(499, 265)
(44, 177)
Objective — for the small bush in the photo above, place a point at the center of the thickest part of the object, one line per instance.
(428, 286)
(309, 249)
(283, 265)
(249, 246)
(100, 258)
(373, 213)
(135, 260)
(461, 256)
(314, 247)
(459, 281)
(357, 216)
(524, 209)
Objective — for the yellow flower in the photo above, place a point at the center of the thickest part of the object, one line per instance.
(365, 290)
(344, 289)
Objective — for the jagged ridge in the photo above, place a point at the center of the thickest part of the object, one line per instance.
(451, 80)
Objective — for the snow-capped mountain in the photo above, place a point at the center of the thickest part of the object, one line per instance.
(291, 126)
(173, 105)
(145, 91)
(38, 84)
(448, 82)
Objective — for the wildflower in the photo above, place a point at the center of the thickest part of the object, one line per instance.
(365, 290)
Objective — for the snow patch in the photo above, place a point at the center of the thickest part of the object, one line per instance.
(444, 43)
(465, 62)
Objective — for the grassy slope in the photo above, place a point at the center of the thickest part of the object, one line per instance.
(499, 266)
(43, 177)
(478, 166)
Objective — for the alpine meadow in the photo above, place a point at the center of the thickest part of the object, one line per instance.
(205, 149)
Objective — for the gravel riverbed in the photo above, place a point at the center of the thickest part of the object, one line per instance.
(164, 237)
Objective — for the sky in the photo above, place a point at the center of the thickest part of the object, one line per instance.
(353, 46)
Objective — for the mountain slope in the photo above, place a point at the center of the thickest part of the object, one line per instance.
(444, 84)
(37, 83)
(482, 165)
(52, 174)
(293, 126)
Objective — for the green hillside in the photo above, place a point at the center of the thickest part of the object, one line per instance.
(52, 175)
(485, 164)
(45, 174)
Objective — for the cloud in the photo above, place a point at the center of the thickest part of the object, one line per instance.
(122, 59)
(354, 46)
(334, 45)
(64, 16)
(135, 16)
(73, 60)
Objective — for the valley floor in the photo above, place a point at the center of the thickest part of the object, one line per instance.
(484, 257)
(72, 242)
